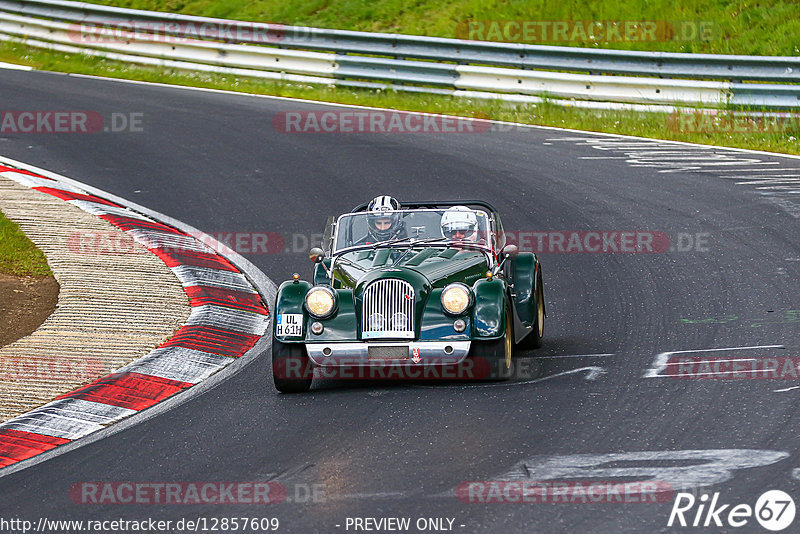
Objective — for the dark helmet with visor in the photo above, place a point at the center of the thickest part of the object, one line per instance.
(383, 218)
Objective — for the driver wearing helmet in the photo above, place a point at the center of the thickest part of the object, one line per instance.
(460, 223)
(383, 221)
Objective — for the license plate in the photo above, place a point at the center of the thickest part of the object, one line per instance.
(289, 324)
(387, 353)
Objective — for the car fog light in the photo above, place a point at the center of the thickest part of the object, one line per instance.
(376, 322)
(459, 325)
(317, 328)
(399, 321)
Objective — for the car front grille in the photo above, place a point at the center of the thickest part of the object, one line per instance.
(388, 310)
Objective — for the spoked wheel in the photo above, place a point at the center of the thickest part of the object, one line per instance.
(291, 367)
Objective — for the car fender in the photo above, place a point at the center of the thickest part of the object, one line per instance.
(291, 300)
(489, 312)
(525, 276)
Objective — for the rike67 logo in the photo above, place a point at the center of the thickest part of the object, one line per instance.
(774, 510)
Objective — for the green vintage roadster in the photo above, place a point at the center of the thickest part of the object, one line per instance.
(412, 290)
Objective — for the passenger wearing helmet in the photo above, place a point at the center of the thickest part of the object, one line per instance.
(460, 223)
(383, 221)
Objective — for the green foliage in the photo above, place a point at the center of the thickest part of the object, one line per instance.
(18, 255)
(761, 27)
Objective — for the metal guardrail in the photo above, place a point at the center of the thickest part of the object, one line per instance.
(427, 64)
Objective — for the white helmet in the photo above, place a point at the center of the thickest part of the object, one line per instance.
(461, 223)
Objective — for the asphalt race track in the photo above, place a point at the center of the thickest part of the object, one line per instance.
(598, 387)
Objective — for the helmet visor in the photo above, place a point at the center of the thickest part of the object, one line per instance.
(459, 233)
(382, 224)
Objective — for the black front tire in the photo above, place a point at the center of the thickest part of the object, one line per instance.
(291, 367)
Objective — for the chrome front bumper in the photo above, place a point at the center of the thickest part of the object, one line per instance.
(381, 353)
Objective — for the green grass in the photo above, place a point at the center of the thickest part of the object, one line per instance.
(760, 27)
(18, 255)
(654, 125)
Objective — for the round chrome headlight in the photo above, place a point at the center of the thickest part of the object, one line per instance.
(320, 301)
(456, 298)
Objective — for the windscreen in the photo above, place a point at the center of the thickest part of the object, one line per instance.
(453, 225)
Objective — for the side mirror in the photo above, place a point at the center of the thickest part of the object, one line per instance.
(510, 251)
(316, 255)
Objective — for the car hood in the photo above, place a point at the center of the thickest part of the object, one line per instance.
(424, 268)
